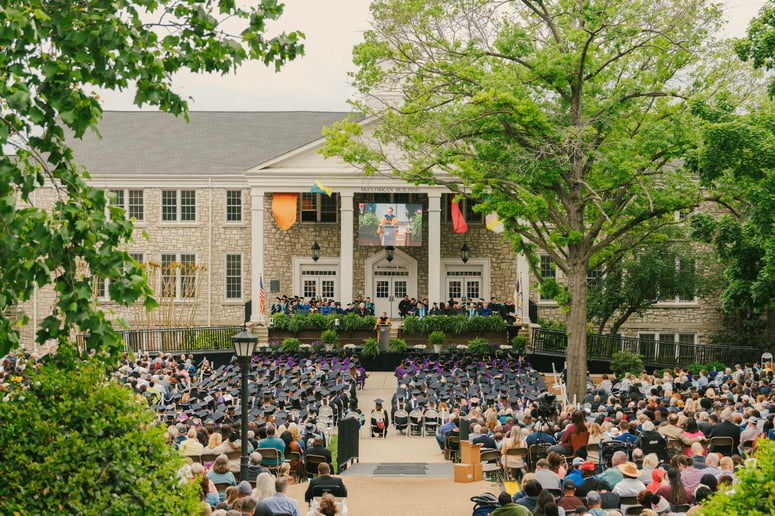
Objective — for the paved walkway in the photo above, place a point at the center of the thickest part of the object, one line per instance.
(399, 474)
(395, 448)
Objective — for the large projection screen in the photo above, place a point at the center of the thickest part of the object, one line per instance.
(389, 224)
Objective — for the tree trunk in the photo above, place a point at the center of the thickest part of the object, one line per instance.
(576, 354)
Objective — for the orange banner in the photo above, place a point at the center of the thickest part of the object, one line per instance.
(284, 209)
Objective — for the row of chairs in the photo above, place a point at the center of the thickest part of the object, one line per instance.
(417, 423)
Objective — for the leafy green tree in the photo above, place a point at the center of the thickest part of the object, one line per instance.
(754, 492)
(76, 444)
(736, 161)
(648, 275)
(564, 117)
(54, 54)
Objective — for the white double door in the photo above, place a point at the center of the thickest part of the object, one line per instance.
(390, 287)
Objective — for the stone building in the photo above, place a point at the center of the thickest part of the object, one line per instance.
(203, 193)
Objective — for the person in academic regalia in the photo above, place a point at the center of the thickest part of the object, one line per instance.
(379, 426)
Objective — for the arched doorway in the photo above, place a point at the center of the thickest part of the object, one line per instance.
(388, 282)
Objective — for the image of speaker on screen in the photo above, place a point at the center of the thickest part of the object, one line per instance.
(394, 224)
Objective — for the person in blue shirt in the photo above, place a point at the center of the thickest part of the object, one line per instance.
(446, 428)
(540, 435)
(625, 436)
(272, 441)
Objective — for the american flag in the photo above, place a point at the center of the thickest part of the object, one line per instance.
(261, 295)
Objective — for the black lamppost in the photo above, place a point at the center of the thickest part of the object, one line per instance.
(315, 251)
(244, 346)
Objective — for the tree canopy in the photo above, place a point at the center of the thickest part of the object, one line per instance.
(54, 55)
(76, 443)
(565, 118)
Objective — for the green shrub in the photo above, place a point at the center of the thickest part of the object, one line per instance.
(75, 443)
(316, 321)
(495, 323)
(371, 348)
(280, 321)
(715, 366)
(519, 343)
(397, 345)
(296, 323)
(354, 322)
(626, 362)
(437, 338)
(436, 323)
(459, 324)
(412, 325)
(695, 368)
(290, 345)
(330, 337)
(754, 491)
(479, 346)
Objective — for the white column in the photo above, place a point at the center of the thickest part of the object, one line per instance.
(346, 247)
(256, 251)
(434, 246)
(523, 274)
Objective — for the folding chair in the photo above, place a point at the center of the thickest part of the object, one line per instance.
(723, 445)
(298, 470)
(415, 422)
(517, 452)
(326, 411)
(452, 445)
(311, 463)
(400, 421)
(430, 422)
(274, 455)
(536, 452)
(491, 463)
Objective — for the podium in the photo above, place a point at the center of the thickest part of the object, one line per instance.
(469, 452)
(470, 467)
(383, 336)
(389, 234)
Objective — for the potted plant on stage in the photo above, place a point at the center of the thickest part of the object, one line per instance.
(436, 340)
(330, 339)
(370, 348)
(397, 345)
(479, 346)
(290, 345)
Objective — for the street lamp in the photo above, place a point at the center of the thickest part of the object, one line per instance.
(464, 252)
(389, 250)
(315, 251)
(244, 346)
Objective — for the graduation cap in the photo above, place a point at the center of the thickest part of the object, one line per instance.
(268, 409)
(379, 401)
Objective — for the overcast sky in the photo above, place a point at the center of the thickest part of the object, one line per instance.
(318, 80)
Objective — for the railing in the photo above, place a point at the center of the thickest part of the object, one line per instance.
(654, 352)
(176, 340)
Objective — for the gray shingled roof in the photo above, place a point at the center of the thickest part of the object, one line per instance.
(213, 142)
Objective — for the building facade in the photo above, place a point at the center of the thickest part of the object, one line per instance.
(204, 197)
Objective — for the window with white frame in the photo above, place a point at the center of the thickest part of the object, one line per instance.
(178, 275)
(233, 276)
(100, 286)
(667, 346)
(464, 284)
(138, 257)
(233, 206)
(178, 205)
(317, 207)
(132, 201)
(319, 283)
(594, 275)
(547, 270)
